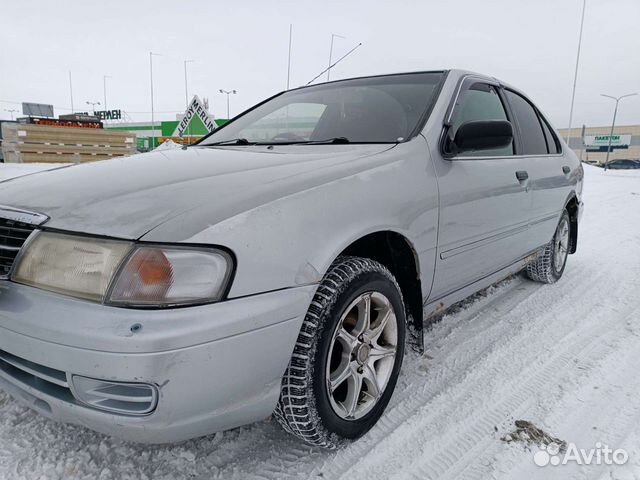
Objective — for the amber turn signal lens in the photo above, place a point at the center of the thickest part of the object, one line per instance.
(168, 275)
(152, 267)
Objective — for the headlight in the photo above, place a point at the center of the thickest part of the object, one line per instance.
(123, 273)
(78, 266)
(159, 275)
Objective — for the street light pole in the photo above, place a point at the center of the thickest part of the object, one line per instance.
(153, 125)
(186, 99)
(613, 123)
(289, 58)
(104, 89)
(333, 35)
(186, 91)
(12, 111)
(93, 104)
(228, 92)
(71, 91)
(575, 75)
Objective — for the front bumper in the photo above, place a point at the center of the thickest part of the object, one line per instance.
(214, 366)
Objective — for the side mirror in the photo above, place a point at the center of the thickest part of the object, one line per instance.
(482, 135)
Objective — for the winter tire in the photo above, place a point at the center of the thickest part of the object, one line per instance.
(348, 355)
(549, 265)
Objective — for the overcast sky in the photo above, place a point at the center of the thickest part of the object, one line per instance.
(242, 45)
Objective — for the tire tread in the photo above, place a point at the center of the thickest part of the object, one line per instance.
(296, 410)
(541, 269)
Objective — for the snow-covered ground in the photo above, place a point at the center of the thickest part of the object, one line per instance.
(565, 357)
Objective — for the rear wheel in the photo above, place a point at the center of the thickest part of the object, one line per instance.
(549, 266)
(348, 355)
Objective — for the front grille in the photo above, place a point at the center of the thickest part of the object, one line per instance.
(13, 234)
(44, 379)
(116, 397)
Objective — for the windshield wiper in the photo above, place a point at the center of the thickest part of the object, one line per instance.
(342, 140)
(329, 140)
(233, 141)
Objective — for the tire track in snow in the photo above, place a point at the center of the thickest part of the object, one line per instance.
(467, 449)
(606, 385)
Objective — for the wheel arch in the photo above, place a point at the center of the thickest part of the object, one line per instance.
(396, 252)
(571, 205)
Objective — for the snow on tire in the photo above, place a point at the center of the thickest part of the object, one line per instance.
(348, 355)
(549, 265)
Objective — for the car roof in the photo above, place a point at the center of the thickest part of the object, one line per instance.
(453, 73)
(361, 77)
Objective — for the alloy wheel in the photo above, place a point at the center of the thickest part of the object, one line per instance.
(561, 249)
(362, 355)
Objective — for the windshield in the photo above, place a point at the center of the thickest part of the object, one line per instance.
(383, 109)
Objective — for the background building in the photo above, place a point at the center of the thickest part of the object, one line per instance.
(591, 145)
(195, 123)
(145, 133)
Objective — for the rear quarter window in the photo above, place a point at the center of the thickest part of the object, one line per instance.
(550, 137)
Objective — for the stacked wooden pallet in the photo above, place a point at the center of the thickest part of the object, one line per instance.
(26, 143)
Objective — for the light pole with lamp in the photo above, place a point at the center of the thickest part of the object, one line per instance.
(613, 123)
(333, 36)
(12, 111)
(228, 92)
(93, 105)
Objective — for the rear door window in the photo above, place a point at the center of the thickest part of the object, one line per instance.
(531, 134)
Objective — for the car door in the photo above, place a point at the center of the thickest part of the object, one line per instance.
(550, 174)
(484, 197)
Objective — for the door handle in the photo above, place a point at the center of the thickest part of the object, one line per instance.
(566, 170)
(522, 175)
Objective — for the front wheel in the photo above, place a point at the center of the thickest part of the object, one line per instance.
(347, 357)
(549, 265)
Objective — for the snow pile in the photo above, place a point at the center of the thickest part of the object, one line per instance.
(563, 357)
(168, 145)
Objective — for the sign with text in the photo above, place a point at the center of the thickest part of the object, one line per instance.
(196, 109)
(109, 114)
(53, 122)
(79, 117)
(601, 142)
(104, 114)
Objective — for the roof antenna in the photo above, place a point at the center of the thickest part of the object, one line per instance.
(334, 63)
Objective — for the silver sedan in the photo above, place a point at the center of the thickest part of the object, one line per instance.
(283, 264)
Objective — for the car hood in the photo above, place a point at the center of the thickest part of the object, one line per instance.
(128, 197)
